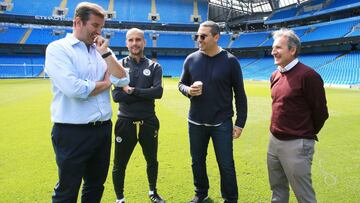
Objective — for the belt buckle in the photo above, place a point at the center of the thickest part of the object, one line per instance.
(95, 123)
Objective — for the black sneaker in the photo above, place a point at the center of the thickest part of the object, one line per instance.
(199, 198)
(156, 198)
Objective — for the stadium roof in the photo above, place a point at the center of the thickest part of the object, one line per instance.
(233, 11)
(253, 6)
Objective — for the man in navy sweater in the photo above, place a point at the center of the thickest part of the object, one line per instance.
(211, 77)
(299, 112)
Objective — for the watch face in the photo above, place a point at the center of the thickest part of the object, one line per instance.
(130, 90)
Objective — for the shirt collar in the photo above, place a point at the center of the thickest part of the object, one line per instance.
(288, 66)
(73, 40)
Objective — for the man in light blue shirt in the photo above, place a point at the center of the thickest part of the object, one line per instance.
(82, 68)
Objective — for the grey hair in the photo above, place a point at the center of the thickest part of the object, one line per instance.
(293, 39)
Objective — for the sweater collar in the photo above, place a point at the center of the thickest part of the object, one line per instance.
(288, 66)
(219, 51)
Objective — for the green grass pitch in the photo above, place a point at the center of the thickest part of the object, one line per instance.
(28, 171)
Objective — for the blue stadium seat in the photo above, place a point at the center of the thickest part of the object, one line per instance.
(118, 39)
(224, 40)
(343, 70)
(21, 66)
(330, 30)
(178, 40)
(250, 39)
(172, 65)
(340, 3)
(45, 35)
(33, 8)
(310, 9)
(12, 35)
(283, 13)
(126, 10)
(132, 10)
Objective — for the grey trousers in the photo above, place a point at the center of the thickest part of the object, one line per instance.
(290, 162)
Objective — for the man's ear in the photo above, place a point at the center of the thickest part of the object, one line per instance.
(217, 37)
(77, 21)
(293, 50)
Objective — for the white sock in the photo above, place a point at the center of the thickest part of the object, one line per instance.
(120, 200)
(151, 192)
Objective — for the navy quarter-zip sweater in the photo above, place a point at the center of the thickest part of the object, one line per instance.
(222, 80)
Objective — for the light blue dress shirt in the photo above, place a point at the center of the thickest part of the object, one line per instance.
(73, 71)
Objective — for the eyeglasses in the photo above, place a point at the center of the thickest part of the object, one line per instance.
(202, 37)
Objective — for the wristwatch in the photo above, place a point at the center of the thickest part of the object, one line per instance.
(130, 90)
(106, 54)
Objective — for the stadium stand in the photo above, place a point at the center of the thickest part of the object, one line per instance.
(167, 14)
(330, 30)
(224, 40)
(345, 69)
(283, 13)
(46, 35)
(70, 5)
(126, 10)
(169, 47)
(172, 65)
(21, 66)
(118, 38)
(175, 40)
(337, 5)
(311, 8)
(11, 34)
(259, 69)
(20, 7)
(334, 68)
(250, 39)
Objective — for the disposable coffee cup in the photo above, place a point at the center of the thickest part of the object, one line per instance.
(198, 84)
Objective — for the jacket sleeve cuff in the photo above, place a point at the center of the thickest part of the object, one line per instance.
(120, 82)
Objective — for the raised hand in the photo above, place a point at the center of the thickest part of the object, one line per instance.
(102, 44)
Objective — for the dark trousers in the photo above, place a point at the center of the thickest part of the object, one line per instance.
(127, 133)
(82, 152)
(223, 145)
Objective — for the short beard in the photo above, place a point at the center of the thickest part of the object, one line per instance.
(140, 53)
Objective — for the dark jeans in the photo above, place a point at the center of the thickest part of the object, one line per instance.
(223, 145)
(82, 152)
(127, 133)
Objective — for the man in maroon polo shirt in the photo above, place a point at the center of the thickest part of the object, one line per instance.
(299, 112)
